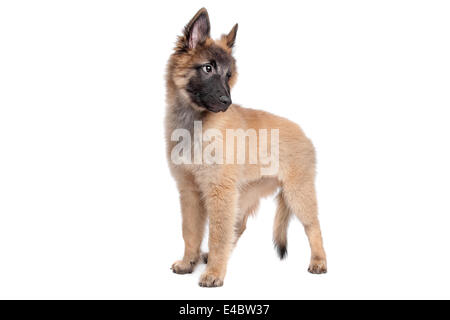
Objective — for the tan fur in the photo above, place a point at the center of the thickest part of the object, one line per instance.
(227, 194)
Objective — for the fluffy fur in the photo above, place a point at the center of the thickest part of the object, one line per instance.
(227, 194)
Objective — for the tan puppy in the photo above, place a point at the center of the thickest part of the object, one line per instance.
(226, 191)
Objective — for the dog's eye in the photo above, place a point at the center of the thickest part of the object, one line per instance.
(228, 75)
(207, 68)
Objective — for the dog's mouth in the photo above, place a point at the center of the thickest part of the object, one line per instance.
(211, 103)
(219, 105)
(217, 108)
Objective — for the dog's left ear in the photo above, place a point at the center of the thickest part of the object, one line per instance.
(197, 30)
(231, 37)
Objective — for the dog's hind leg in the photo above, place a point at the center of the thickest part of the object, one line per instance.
(241, 224)
(249, 199)
(298, 191)
(248, 205)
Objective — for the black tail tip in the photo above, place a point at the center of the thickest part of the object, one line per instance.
(282, 251)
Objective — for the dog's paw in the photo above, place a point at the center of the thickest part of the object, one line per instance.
(318, 266)
(210, 279)
(183, 267)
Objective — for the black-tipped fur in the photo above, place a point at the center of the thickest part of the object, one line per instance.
(281, 250)
(282, 218)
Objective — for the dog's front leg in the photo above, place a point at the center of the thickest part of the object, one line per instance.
(194, 220)
(221, 205)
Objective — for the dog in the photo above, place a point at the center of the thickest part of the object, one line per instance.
(200, 74)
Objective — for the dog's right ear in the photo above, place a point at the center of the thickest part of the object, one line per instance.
(195, 32)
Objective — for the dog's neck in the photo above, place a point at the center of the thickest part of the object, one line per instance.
(180, 115)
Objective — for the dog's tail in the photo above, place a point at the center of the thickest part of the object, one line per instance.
(282, 218)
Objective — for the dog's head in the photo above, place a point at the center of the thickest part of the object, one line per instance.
(203, 69)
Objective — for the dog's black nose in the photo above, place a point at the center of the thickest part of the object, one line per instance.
(225, 100)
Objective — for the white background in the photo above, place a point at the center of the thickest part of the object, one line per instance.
(88, 208)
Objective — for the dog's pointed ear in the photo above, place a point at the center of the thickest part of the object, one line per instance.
(231, 36)
(197, 30)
